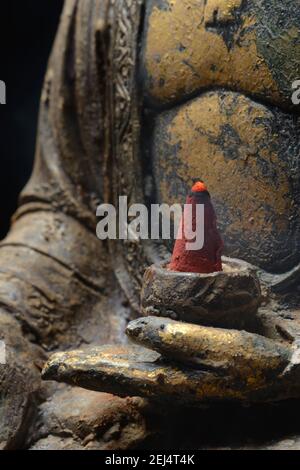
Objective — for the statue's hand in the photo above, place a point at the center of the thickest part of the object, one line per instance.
(222, 364)
(190, 364)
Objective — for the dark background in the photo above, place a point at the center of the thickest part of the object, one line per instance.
(27, 32)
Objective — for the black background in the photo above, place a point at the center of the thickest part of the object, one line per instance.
(27, 32)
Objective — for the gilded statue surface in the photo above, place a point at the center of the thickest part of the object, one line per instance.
(139, 98)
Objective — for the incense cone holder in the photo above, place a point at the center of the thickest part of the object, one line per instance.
(226, 299)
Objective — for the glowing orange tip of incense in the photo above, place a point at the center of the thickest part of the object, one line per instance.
(199, 187)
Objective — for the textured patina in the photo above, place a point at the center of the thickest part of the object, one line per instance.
(242, 148)
(226, 299)
(224, 71)
(239, 45)
(57, 287)
(219, 372)
(138, 95)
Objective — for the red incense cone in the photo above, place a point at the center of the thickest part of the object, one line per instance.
(208, 258)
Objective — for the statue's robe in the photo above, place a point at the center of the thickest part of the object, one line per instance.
(57, 289)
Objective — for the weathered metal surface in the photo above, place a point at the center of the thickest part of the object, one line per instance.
(248, 155)
(252, 47)
(250, 356)
(218, 85)
(53, 269)
(80, 419)
(226, 299)
(253, 368)
(215, 77)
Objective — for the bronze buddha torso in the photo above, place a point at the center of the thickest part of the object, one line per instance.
(205, 87)
(217, 79)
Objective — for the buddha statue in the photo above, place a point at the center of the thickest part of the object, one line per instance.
(139, 98)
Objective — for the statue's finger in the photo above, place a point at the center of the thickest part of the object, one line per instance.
(240, 353)
(134, 371)
(127, 371)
